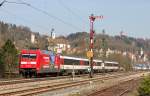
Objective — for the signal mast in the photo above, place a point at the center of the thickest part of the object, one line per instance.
(90, 52)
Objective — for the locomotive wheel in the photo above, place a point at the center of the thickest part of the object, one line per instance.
(26, 75)
(30, 75)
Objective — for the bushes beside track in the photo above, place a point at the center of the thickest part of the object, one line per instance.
(144, 89)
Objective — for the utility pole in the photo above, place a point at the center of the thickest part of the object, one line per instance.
(92, 19)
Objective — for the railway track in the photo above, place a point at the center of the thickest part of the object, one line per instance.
(17, 81)
(22, 80)
(124, 92)
(58, 86)
(120, 89)
(132, 86)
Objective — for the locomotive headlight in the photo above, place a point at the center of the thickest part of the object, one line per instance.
(38, 68)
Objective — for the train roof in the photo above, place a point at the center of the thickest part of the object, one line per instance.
(34, 51)
(29, 51)
(75, 58)
(97, 60)
(111, 62)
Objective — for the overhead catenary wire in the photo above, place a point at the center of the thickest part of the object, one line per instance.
(46, 13)
(2, 3)
(23, 19)
(71, 11)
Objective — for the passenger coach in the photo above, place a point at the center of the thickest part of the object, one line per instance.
(37, 62)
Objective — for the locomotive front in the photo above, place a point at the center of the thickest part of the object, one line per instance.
(28, 63)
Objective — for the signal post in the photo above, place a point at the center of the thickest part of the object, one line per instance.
(90, 52)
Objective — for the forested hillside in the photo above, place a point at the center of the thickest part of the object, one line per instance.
(20, 36)
(113, 42)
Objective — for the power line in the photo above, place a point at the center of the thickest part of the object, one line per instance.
(2, 3)
(46, 13)
(21, 18)
(25, 20)
(72, 12)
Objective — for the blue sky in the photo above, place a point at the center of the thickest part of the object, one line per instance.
(131, 16)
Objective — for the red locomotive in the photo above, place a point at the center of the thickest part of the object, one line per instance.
(34, 62)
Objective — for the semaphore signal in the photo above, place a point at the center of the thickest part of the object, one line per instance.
(92, 19)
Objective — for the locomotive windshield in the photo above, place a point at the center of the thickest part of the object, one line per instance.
(32, 56)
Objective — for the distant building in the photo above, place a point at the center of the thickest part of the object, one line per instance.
(141, 52)
(32, 38)
(60, 44)
(63, 46)
(53, 35)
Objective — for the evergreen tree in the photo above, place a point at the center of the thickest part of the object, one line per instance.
(2, 67)
(9, 56)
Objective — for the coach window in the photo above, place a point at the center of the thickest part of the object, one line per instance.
(71, 62)
(76, 62)
(87, 63)
(98, 63)
(67, 61)
(115, 64)
(108, 64)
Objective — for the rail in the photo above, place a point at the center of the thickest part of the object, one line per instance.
(49, 87)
